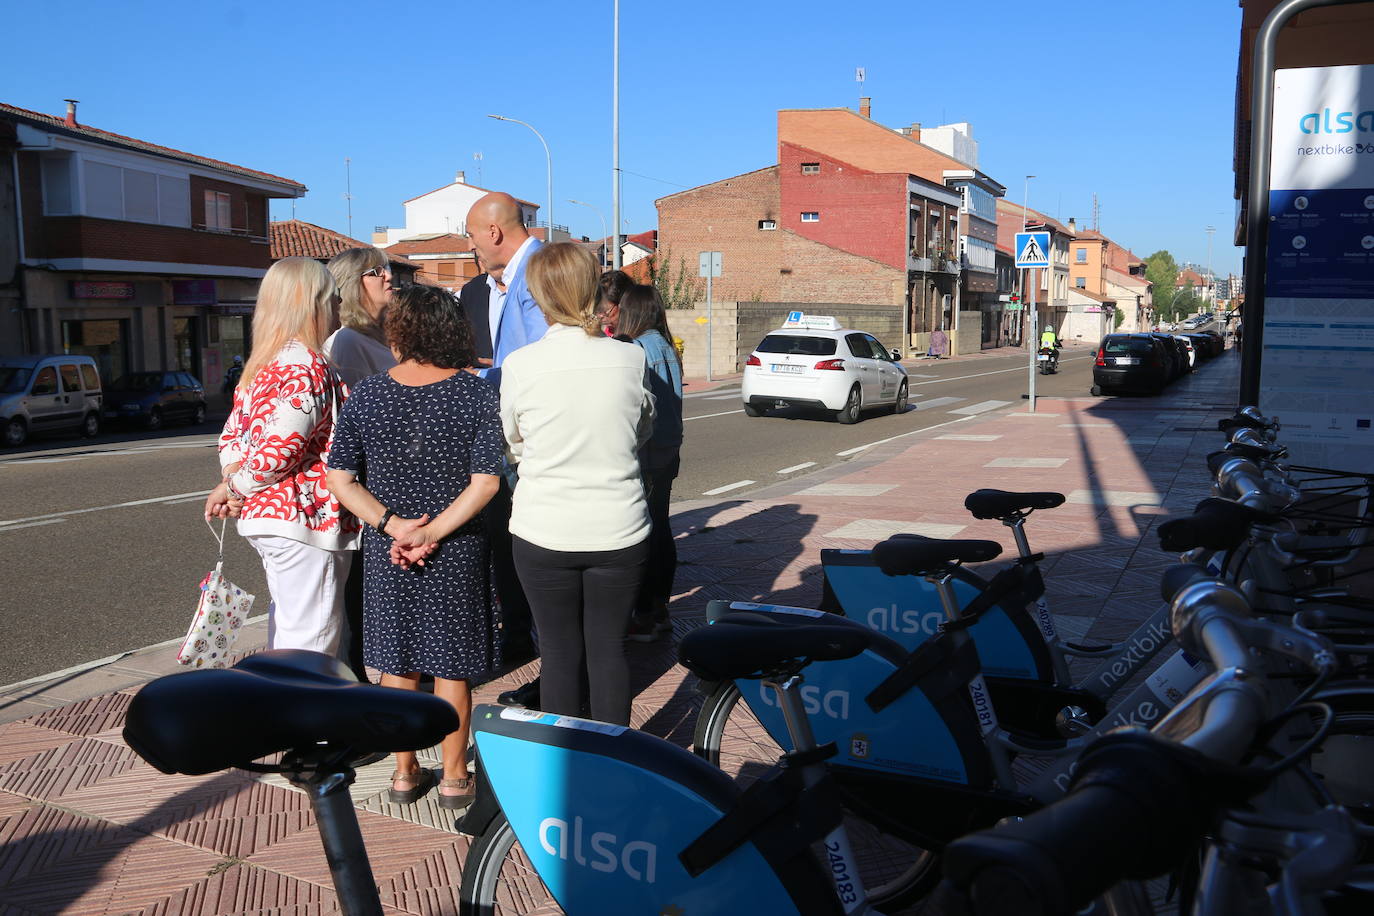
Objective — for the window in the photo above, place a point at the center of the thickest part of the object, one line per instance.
(768, 224)
(89, 377)
(71, 378)
(810, 168)
(57, 185)
(1080, 255)
(115, 192)
(217, 213)
(1080, 282)
(810, 216)
(46, 382)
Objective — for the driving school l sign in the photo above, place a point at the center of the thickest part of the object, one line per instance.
(1032, 249)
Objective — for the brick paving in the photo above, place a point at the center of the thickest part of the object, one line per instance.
(87, 828)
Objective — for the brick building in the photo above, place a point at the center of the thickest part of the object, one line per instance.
(443, 260)
(1052, 286)
(140, 256)
(1102, 268)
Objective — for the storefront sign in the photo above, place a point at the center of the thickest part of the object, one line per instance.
(240, 308)
(193, 292)
(102, 289)
(1319, 272)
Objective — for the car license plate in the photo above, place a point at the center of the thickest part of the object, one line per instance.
(1125, 361)
(1043, 356)
(785, 369)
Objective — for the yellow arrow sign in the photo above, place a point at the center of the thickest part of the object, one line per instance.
(702, 319)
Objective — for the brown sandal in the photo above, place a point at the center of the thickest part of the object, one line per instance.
(421, 781)
(460, 800)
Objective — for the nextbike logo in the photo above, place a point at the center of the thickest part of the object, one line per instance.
(1136, 652)
(1344, 122)
(638, 859)
(891, 620)
(833, 703)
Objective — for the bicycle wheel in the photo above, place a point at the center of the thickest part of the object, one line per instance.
(730, 736)
(498, 879)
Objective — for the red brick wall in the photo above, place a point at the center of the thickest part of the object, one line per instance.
(862, 142)
(85, 237)
(814, 272)
(860, 211)
(724, 216)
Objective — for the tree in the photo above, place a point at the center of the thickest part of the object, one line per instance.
(1162, 271)
(679, 289)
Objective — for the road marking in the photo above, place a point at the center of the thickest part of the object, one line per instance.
(1026, 463)
(5, 523)
(936, 402)
(980, 408)
(51, 521)
(851, 451)
(103, 453)
(728, 487)
(959, 378)
(798, 467)
(958, 438)
(713, 393)
(185, 499)
(707, 416)
(731, 396)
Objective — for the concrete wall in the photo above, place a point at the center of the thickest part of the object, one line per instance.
(739, 326)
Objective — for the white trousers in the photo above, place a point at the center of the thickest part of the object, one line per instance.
(307, 587)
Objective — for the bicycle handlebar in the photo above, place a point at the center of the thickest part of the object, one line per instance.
(1139, 800)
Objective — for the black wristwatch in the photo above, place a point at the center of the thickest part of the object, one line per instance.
(386, 517)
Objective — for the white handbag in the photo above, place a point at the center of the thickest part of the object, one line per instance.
(222, 610)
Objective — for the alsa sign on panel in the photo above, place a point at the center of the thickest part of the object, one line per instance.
(1318, 359)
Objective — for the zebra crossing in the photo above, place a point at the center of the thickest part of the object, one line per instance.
(917, 400)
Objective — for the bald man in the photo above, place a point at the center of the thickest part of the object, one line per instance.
(503, 245)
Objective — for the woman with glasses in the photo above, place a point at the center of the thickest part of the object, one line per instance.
(359, 348)
(272, 458)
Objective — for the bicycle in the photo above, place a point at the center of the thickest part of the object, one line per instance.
(703, 846)
(1246, 838)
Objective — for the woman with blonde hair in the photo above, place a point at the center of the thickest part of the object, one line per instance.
(272, 455)
(359, 348)
(575, 410)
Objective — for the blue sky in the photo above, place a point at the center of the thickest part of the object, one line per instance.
(1132, 101)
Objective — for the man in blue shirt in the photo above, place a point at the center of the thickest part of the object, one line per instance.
(503, 245)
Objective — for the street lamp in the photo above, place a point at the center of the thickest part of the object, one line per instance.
(548, 160)
(604, 243)
(1211, 280)
(615, 132)
(1025, 201)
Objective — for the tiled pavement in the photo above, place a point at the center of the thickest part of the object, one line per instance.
(86, 827)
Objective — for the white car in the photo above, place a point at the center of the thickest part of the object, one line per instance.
(1192, 353)
(813, 362)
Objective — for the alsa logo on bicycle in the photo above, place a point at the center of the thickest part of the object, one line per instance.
(914, 620)
(833, 703)
(554, 838)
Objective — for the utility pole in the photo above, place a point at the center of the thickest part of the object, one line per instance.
(1211, 280)
(348, 192)
(615, 137)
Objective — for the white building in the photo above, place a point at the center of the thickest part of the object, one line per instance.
(442, 211)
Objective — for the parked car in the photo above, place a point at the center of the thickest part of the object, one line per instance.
(1202, 345)
(813, 362)
(49, 393)
(153, 398)
(1175, 360)
(1193, 358)
(1131, 362)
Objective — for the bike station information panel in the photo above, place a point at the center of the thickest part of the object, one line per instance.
(1318, 364)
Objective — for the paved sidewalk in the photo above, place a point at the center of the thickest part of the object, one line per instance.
(86, 827)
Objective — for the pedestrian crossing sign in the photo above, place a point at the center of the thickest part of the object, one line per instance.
(1032, 249)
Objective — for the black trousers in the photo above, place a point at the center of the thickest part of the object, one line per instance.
(517, 636)
(581, 602)
(658, 578)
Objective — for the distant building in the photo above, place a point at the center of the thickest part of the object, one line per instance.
(138, 255)
(444, 211)
(444, 260)
(294, 238)
(1100, 267)
(1052, 288)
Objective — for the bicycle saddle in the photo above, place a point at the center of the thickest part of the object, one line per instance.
(1001, 503)
(742, 644)
(202, 721)
(1216, 524)
(913, 555)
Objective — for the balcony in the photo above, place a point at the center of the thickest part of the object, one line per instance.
(932, 260)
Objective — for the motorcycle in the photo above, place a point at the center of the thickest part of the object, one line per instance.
(1048, 358)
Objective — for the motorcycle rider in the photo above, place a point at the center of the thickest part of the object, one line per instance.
(1049, 341)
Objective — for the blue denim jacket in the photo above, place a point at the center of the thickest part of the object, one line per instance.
(665, 383)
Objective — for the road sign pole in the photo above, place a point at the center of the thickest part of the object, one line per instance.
(710, 325)
(1034, 342)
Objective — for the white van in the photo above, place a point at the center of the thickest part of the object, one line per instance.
(54, 393)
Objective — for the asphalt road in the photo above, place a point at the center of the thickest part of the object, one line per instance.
(102, 541)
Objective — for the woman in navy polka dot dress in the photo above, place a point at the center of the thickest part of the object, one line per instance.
(416, 454)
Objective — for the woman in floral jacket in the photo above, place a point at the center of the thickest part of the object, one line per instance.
(272, 456)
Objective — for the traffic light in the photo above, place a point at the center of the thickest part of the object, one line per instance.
(1015, 298)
